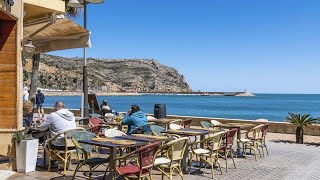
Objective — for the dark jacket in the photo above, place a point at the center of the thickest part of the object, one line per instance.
(40, 98)
(27, 120)
(134, 121)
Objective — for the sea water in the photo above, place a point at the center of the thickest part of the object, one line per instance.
(274, 107)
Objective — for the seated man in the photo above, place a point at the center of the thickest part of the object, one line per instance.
(60, 120)
(105, 108)
(135, 118)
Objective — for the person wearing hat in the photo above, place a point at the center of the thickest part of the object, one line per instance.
(105, 108)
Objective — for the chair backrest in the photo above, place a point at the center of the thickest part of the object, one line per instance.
(175, 126)
(230, 136)
(95, 123)
(214, 142)
(113, 133)
(257, 131)
(151, 118)
(66, 135)
(176, 148)
(187, 123)
(157, 130)
(264, 130)
(215, 123)
(81, 148)
(205, 124)
(147, 155)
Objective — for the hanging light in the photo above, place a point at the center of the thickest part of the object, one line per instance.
(75, 4)
(29, 47)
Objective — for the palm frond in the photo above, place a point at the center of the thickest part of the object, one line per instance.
(300, 120)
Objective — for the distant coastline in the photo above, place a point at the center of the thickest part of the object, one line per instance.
(104, 93)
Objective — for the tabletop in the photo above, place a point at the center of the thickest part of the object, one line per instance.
(146, 139)
(191, 131)
(111, 145)
(163, 120)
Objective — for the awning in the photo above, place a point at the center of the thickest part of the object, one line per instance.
(60, 35)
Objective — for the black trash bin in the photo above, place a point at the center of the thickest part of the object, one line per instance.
(160, 111)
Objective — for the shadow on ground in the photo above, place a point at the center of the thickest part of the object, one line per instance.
(293, 142)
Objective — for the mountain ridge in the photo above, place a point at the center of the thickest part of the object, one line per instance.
(113, 75)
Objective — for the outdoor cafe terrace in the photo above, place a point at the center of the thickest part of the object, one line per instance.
(283, 160)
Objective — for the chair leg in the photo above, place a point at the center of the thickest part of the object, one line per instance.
(217, 160)
(76, 170)
(49, 167)
(265, 145)
(231, 154)
(90, 172)
(212, 165)
(180, 172)
(226, 157)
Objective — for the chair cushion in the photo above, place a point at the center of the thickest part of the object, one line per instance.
(161, 160)
(96, 161)
(245, 140)
(131, 170)
(201, 151)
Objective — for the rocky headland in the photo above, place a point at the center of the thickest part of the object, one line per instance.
(107, 75)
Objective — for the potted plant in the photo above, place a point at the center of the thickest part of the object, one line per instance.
(300, 121)
(26, 151)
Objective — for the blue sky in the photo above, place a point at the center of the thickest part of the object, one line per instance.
(264, 46)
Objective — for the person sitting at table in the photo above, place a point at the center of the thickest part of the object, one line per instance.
(135, 118)
(27, 113)
(60, 120)
(105, 108)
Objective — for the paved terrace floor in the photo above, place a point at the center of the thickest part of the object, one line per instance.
(286, 161)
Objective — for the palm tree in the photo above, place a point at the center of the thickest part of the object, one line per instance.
(300, 121)
(70, 12)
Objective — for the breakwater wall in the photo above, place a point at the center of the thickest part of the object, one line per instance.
(98, 93)
(274, 127)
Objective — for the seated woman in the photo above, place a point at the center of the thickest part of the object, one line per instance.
(135, 118)
(27, 113)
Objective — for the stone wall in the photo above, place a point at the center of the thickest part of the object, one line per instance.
(274, 127)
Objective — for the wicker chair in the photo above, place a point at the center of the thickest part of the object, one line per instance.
(174, 151)
(205, 124)
(113, 133)
(85, 150)
(226, 147)
(157, 130)
(210, 150)
(262, 139)
(140, 163)
(96, 126)
(63, 156)
(251, 141)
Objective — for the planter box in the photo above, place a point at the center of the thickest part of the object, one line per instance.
(26, 155)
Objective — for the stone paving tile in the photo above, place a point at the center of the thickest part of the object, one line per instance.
(286, 161)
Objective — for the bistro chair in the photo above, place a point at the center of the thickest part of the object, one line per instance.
(215, 123)
(62, 155)
(251, 141)
(211, 147)
(226, 147)
(113, 133)
(174, 151)
(84, 151)
(96, 126)
(262, 139)
(140, 163)
(205, 124)
(157, 130)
